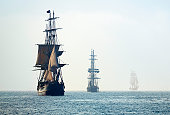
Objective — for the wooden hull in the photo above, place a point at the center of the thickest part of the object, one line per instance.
(93, 89)
(50, 89)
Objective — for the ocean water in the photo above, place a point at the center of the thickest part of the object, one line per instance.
(84, 103)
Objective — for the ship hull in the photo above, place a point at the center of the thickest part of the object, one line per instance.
(93, 89)
(133, 89)
(50, 89)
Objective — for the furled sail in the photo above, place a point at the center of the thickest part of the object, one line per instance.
(59, 53)
(61, 65)
(44, 52)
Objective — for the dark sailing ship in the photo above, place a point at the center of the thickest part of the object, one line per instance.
(133, 81)
(50, 81)
(93, 80)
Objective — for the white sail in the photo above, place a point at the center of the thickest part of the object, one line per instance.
(133, 81)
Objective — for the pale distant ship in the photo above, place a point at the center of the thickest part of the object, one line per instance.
(92, 79)
(133, 81)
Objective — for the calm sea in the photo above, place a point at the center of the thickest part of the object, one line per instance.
(113, 103)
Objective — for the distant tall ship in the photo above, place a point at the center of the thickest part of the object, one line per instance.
(92, 79)
(133, 81)
(50, 81)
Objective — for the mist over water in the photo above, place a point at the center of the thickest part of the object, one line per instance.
(86, 103)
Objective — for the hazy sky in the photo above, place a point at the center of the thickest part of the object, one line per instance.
(125, 34)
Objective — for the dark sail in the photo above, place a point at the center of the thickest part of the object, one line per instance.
(50, 80)
(44, 52)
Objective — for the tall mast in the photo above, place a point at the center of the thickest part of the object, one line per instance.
(51, 35)
(92, 70)
(92, 66)
(133, 81)
(48, 53)
(50, 81)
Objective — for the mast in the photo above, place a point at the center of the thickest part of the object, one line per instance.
(51, 35)
(93, 80)
(133, 81)
(48, 54)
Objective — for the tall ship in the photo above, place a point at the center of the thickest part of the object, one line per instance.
(133, 81)
(92, 79)
(50, 80)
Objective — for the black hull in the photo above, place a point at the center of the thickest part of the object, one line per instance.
(50, 89)
(93, 89)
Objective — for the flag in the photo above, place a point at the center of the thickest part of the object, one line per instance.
(48, 11)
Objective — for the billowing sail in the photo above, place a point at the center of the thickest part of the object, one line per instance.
(48, 75)
(44, 52)
(50, 81)
(53, 61)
